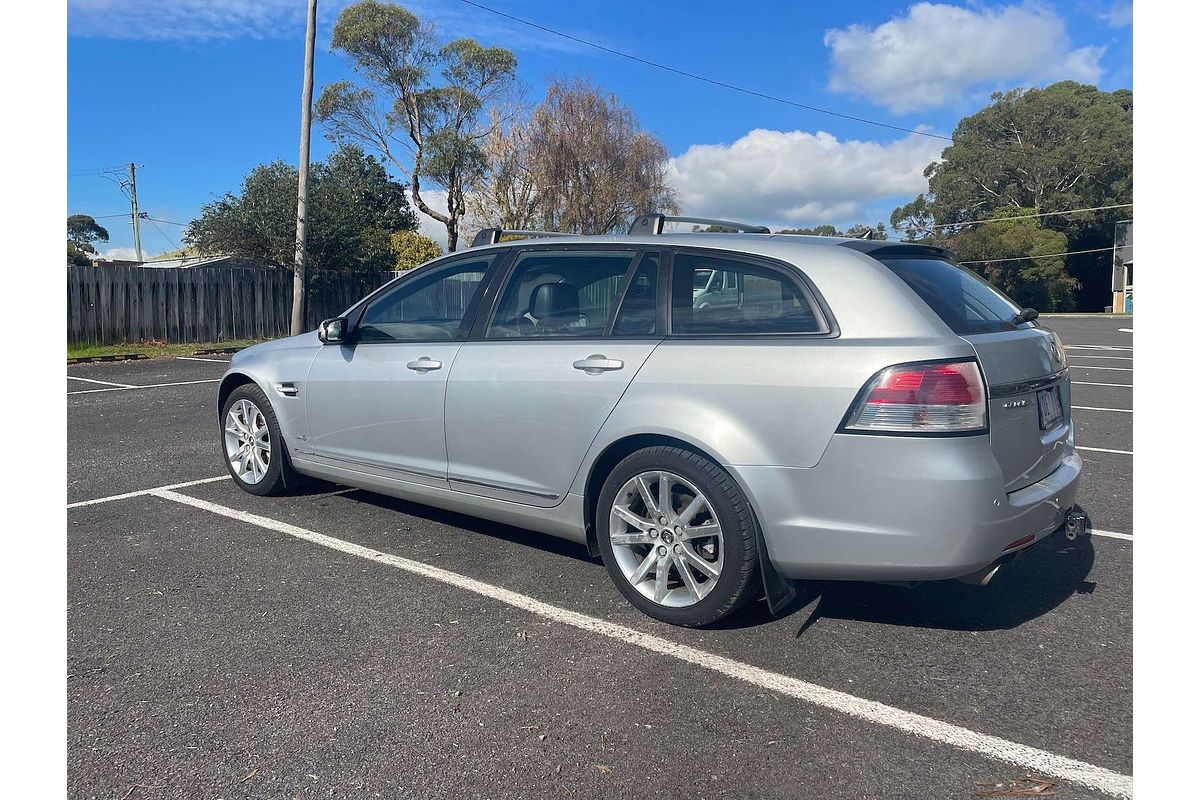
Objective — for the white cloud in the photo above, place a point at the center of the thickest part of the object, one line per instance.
(209, 20)
(120, 254)
(435, 199)
(934, 53)
(798, 178)
(1119, 15)
(196, 20)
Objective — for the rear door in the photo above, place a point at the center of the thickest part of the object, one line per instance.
(1029, 392)
(528, 394)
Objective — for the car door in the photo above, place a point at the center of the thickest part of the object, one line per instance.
(527, 395)
(375, 404)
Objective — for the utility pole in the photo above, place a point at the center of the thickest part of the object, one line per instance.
(137, 231)
(299, 295)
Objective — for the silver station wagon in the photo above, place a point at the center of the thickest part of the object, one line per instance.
(716, 415)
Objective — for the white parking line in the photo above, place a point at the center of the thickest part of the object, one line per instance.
(1025, 757)
(1105, 450)
(102, 383)
(1093, 366)
(1125, 330)
(1118, 347)
(1077, 356)
(1097, 408)
(148, 386)
(1113, 535)
(1079, 383)
(141, 492)
(213, 360)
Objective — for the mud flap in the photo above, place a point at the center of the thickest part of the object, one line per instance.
(778, 590)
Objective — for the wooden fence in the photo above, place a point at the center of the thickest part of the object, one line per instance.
(110, 305)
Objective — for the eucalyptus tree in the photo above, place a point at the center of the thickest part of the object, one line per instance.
(82, 233)
(1063, 147)
(423, 106)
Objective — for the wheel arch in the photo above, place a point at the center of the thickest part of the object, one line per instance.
(779, 592)
(229, 382)
(612, 455)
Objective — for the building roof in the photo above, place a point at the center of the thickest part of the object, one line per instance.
(199, 262)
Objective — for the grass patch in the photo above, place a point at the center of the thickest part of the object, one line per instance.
(151, 349)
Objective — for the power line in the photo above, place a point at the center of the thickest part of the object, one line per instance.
(1047, 255)
(712, 81)
(754, 92)
(1029, 216)
(143, 215)
(163, 233)
(92, 170)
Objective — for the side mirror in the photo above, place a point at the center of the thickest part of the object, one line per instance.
(333, 331)
(1026, 315)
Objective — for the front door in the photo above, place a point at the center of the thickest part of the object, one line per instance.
(526, 401)
(375, 405)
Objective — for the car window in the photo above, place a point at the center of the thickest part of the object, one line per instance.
(738, 298)
(427, 308)
(638, 314)
(965, 302)
(559, 293)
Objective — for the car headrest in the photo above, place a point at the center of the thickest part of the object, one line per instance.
(554, 300)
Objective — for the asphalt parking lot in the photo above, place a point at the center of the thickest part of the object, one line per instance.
(344, 644)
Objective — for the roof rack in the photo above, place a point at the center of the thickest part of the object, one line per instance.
(652, 224)
(494, 235)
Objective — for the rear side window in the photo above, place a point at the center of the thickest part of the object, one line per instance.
(712, 295)
(965, 302)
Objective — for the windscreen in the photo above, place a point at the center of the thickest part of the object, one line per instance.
(966, 302)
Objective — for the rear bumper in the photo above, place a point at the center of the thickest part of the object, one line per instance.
(884, 508)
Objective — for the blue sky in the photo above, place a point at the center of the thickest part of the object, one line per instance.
(201, 91)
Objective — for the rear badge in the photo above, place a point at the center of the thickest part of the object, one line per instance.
(1016, 403)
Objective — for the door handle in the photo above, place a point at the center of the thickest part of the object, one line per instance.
(424, 364)
(595, 364)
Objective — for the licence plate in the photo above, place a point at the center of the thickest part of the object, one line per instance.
(1050, 410)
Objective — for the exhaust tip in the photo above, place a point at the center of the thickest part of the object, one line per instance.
(981, 577)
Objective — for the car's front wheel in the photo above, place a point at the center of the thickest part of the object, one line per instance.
(251, 442)
(677, 536)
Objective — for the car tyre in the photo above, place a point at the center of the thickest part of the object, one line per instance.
(626, 549)
(248, 423)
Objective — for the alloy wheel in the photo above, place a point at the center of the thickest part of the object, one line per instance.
(666, 538)
(247, 441)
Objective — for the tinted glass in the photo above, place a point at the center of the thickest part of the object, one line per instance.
(559, 293)
(638, 315)
(966, 302)
(429, 308)
(718, 296)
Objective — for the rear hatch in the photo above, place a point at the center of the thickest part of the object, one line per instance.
(1029, 393)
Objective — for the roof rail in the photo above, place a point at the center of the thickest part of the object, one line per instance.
(494, 235)
(652, 224)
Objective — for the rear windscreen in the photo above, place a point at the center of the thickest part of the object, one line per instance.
(966, 302)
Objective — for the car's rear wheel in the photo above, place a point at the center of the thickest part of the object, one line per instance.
(252, 443)
(677, 536)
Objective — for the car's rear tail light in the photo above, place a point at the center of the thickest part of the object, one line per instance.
(937, 398)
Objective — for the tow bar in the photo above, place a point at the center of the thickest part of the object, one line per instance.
(1077, 523)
